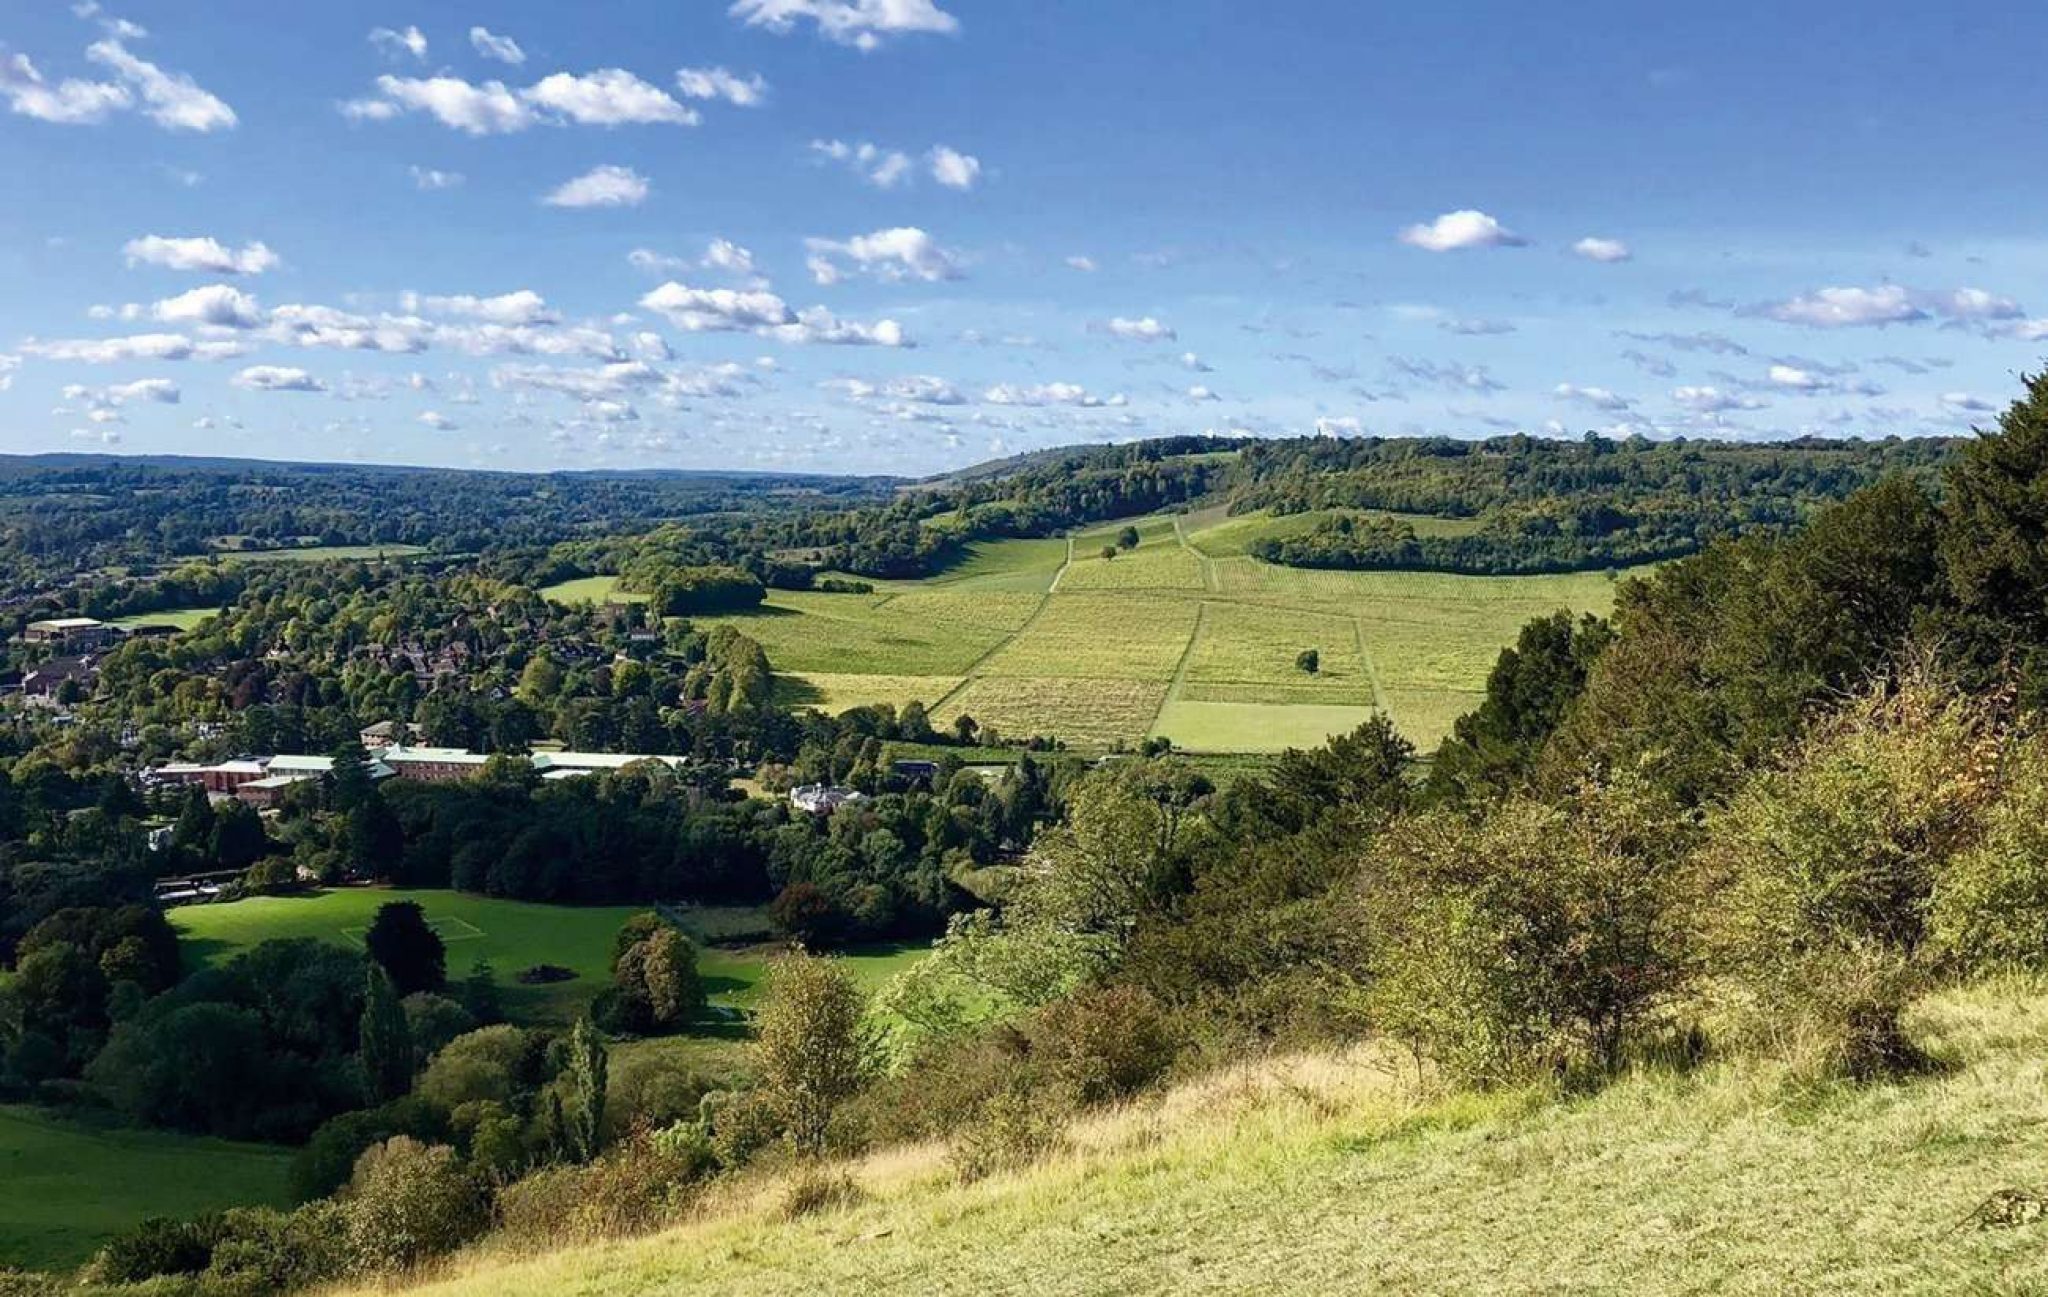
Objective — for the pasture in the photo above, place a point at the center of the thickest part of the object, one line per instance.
(182, 618)
(66, 1187)
(320, 553)
(1185, 637)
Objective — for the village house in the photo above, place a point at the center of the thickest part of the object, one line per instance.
(823, 799)
(45, 678)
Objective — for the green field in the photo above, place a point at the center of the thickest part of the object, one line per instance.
(512, 935)
(319, 553)
(590, 589)
(182, 618)
(1184, 636)
(65, 1188)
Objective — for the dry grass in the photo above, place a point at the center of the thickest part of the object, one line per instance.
(1341, 1174)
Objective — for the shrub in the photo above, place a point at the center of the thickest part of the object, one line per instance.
(1534, 939)
(815, 1050)
(741, 1126)
(1015, 1127)
(1989, 910)
(1104, 1044)
(815, 1190)
(262, 1251)
(409, 1201)
(638, 1186)
(158, 1246)
(543, 975)
(1822, 872)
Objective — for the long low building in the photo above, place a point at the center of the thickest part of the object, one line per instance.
(262, 780)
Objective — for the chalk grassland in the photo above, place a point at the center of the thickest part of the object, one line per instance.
(65, 1188)
(1336, 1174)
(1095, 635)
(1247, 646)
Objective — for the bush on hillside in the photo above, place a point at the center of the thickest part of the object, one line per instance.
(409, 1201)
(1989, 911)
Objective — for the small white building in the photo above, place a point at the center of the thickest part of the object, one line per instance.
(823, 799)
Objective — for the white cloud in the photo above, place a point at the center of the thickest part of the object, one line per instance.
(161, 391)
(68, 103)
(1459, 230)
(952, 168)
(609, 97)
(1599, 398)
(1965, 403)
(717, 83)
(202, 254)
(1593, 248)
(730, 257)
(1712, 400)
(434, 418)
(1143, 329)
(1850, 307)
(605, 186)
(522, 307)
(918, 389)
(882, 168)
(220, 305)
(893, 255)
(277, 378)
(863, 24)
(493, 46)
(817, 325)
(1086, 265)
(1048, 394)
(488, 109)
(715, 310)
(8, 364)
(141, 346)
(398, 44)
(428, 179)
(1202, 392)
(170, 99)
(1190, 361)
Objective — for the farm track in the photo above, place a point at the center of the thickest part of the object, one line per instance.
(973, 671)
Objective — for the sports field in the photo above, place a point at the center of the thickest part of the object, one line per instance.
(590, 589)
(65, 1187)
(511, 935)
(182, 618)
(1186, 636)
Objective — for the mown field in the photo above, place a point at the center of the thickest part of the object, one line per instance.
(319, 553)
(590, 589)
(66, 1187)
(512, 935)
(182, 618)
(1338, 1174)
(1185, 637)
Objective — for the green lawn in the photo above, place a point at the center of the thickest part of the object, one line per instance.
(65, 1188)
(510, 934)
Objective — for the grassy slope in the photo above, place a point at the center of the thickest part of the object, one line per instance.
(1332, 1176)
(65, 1188)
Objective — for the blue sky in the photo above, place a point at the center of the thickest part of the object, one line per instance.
(903, 235)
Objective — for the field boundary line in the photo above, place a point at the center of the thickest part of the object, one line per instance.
(1372, 670)
(973, 671)
(1180, 668)
(1201, 560)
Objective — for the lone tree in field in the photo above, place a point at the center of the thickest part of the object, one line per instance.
(409, 950)
(964, 727)
(1109, 551)
(386, 1039)
(815, 1050)
(1308, 660)
(1127, 538)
